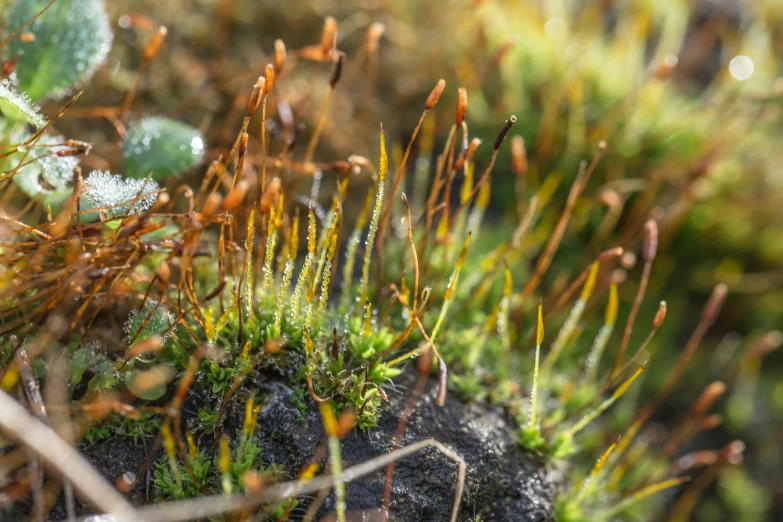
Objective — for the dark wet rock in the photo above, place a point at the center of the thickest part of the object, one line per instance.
(503, 482)
(112, 458)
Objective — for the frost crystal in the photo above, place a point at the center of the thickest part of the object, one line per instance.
(124, 196)
(15, 104)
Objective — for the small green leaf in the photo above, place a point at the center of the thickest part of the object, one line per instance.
(207, 419)
(81, 361)
(39, 368)
(157, 324)
(163, 147)
(72, 38)
(104, 378)
(381, 372)
(17, 106)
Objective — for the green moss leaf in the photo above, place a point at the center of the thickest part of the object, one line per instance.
(163, 147)
(532, 440)
(72, 38)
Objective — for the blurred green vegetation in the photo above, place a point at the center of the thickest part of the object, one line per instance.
(691, 140)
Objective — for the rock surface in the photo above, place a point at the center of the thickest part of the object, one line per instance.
(503, 482)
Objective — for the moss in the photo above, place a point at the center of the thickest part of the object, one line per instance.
(214, 293)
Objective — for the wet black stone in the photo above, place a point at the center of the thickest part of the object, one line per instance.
(503, 482)
(112, 458)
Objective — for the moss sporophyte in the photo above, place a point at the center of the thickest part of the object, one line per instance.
(193, 250)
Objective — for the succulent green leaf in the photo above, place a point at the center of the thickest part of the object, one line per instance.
(157, 324)
(49, 175)
(72, 38)
(163, 147)
(80, 363)
(85, 358)
(17, 106)
(105, 376)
